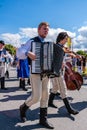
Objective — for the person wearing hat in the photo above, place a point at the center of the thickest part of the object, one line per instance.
(2, 65)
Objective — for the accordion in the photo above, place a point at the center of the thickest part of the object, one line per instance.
(49, 58)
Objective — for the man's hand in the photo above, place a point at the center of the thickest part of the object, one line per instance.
(31, 55)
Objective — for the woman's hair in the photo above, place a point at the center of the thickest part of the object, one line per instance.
(61, 36)
(2, 42)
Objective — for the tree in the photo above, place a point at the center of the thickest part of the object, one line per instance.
(83, 53)
(10, 48)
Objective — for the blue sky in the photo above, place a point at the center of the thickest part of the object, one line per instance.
(20, 18)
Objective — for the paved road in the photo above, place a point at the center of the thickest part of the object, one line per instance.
(11, 99)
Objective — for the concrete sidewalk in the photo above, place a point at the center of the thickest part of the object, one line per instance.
(11, 99)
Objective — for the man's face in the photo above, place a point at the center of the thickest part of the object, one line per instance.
(43, 31)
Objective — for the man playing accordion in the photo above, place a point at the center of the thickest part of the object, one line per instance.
(39, 87)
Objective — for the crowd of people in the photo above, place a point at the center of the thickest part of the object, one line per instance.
(79, 65)
(40, 90)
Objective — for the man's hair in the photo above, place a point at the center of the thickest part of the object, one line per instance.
(43, 23)
(2, 42)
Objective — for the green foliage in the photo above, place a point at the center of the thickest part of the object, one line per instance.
(10, 48)
(83, 53)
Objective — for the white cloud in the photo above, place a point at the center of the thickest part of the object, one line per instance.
(79, 41)
(13, 39)
(54, 32)
(83, 31)
(28, 32)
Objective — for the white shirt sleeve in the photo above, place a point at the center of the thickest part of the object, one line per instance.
(21, 52)
(28, 45)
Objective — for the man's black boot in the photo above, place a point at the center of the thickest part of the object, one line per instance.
(43, 119)
(23, 85)
(20, 82)
(28, 81)
(69, 108)
(3, 83)
(23, 109)
(7, 74)
(51, 98)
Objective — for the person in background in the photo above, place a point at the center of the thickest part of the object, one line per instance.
(2, 65)
(15, 60)
(79, 65)
(83, 64)
(23, 69)
(39, 86)
(29, 62)
(74, 59)
(8, 63)
(59, 82)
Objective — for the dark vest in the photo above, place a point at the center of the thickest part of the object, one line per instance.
(36, 39)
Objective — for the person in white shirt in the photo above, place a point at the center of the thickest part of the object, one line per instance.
(23, 67)
(2, 65)
(39, 87)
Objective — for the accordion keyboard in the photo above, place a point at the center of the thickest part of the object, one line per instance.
(36, 63)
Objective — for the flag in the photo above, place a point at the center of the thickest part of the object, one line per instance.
(69, 42)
